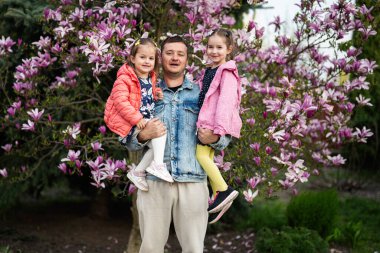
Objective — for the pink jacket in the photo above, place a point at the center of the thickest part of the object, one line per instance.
(220, 109)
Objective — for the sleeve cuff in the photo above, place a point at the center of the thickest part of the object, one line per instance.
(222, 143)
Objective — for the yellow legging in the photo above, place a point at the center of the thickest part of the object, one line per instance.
(205, 156)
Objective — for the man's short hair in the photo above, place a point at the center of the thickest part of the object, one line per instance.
(174, 39)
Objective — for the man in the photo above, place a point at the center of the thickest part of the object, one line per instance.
(185, 201)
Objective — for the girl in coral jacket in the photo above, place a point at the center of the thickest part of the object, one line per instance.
(219, 101)
(131, 105)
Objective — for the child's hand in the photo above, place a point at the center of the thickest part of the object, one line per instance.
(160, 94)
(141, 124)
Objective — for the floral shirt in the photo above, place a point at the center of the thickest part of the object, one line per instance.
(147, 101)
(147, 105)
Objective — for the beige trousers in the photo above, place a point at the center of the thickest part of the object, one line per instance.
(183, 203)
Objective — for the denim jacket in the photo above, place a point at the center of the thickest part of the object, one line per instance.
(179, 112)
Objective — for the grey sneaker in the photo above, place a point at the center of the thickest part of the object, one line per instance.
(160, 171)
(138, 179)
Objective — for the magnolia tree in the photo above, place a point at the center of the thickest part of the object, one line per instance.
(295, 107)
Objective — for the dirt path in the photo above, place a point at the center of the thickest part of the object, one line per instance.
(71, 228)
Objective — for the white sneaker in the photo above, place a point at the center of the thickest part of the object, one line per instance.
(138, 179)
(160, 171)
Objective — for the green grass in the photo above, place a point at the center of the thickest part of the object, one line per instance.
(365, 213)
(358, 221)
(7, 249)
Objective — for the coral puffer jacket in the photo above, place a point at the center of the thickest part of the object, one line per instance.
(122, 110)
(220, 111)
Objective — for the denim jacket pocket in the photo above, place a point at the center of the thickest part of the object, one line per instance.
(191, 115)
(159, 111)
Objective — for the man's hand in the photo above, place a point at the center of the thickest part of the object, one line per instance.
(153, 129)
(206, 136)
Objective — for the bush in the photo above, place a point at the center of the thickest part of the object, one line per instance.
(290, 240)
(314, 210)
(269, 214)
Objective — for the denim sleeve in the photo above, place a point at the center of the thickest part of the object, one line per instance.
(133, 144)
(222, 143)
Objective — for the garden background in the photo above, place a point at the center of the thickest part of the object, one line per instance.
(307, 162)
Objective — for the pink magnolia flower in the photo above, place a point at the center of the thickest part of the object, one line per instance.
(251, 121)
(254, 181)
(35, 114)
(62, 167)
(277, 23)
(11, 111)
(121, 164)
(7, 147)
(278, 136)
(255, 146)
(249, 195)
(73, 131)
(286, 184)
(96, 146)
(109, 170)
(29, 126)
(362, 134)
(97, 164)
(191, 17)
(363, 101)
(72, 156)
(43, 43)
(97, 176)
(367, 66)
(97, 47)
(274, 171)
(337, 160)
(78, 164)
(224, 166)
(366, 32)
(102, 130)
(6, 45)
(251, 25)
(4, 172)
(257, 160)
(131, 189)
(147, 26)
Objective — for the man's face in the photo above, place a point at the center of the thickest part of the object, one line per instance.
(174, 58)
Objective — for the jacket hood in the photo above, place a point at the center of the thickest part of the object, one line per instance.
(230, 65)
(127, 70)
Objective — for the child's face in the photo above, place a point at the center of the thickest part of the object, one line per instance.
(144, 60)
(217, 50)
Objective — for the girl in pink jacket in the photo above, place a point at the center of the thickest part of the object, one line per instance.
(219, 101)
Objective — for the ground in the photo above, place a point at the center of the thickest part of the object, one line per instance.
(77, 227)
(74, 228)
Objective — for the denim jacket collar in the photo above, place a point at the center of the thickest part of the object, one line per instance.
(185, 85)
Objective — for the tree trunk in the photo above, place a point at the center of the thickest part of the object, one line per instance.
(134, 241)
